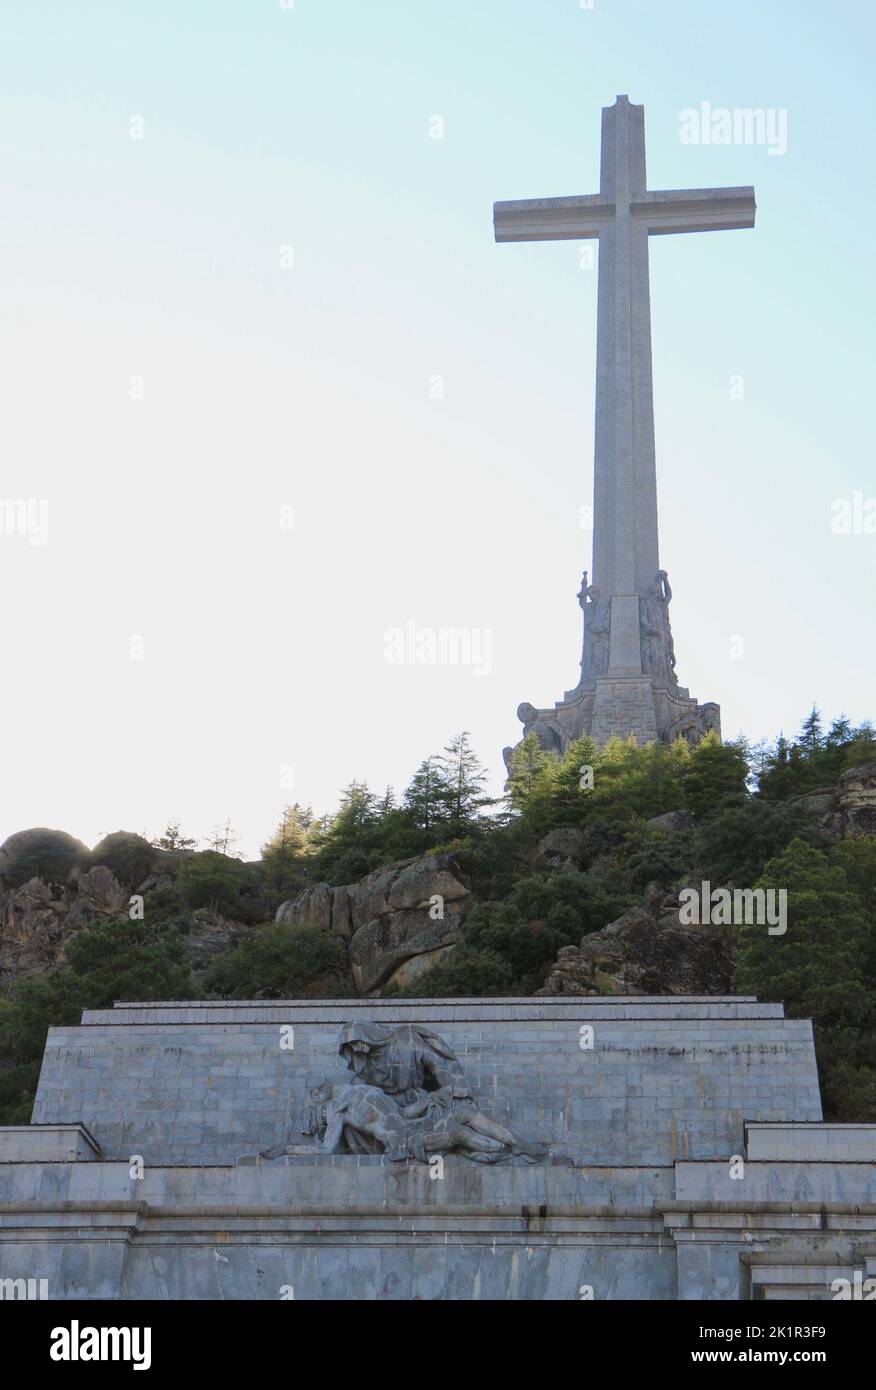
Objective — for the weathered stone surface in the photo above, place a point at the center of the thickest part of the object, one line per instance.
(564, 849)
(820, 801)
(99, 894)
(406, 976)
(432, 875)
(32, 931)
(369, 897)
(849, 808)
(341, 917)
(646, 951)
(312, 909)
(209, 935)
(381, 946)
(37, 919)
(633, 1199)
(408, 1097)
(856, 800)
(388, 916)
(205, 1081)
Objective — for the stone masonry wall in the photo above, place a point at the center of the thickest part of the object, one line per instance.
(664, 1080)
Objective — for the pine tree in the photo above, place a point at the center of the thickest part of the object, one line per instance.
(425, 799)
(386, 803)
(811, 734)
(529, 766)
(464, 778)
(716, 770)
(840, 732)
(173, 838)
(572, 790)
(286, 854)
(223, 838)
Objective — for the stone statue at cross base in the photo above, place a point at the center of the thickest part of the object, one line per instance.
(409, 1100)
(658, 648)
(548, 736)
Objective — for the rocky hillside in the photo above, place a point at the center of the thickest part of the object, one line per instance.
(570, 891)
(52, 888)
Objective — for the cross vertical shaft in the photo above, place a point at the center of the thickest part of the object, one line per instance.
(625, 556)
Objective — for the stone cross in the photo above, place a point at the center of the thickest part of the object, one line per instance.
(622, 215)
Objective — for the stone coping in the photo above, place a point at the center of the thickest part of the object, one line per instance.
(452, 1000)
(808, 1141)
(568, 1008)
(48, 1143)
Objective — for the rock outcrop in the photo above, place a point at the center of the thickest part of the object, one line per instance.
(98, 894)
(565, 850)
(73, 890)
(312, 909)
(646, 951)
(855, 812)
(32, 931)
(399, 919)
(37, 919)
(209, 935)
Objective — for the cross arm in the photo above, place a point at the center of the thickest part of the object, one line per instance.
(552, 219)
(696, 210)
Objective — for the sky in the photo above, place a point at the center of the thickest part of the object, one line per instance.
(273, 394)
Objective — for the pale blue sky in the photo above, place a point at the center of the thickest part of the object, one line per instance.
(160, 258)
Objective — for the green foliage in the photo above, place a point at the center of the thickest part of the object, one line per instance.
(352, 844)
(857, 859)
(443, 802)
(493, 861)
(107, 961)
(283, 962)
(49, 855)
(529, 774)
(131, 960)
(463, 779)
(286, 855)
(734, 845)
(541, 914)
(36, 1001)
(815, 760)
(818, 970)
(173, 838)
(745, 829)
(129, 857)
(218, 882)
(649, 855)
(716, 771)
(466, 972)
(589, 787)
